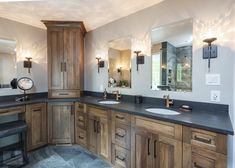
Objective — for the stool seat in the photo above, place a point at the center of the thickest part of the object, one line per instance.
(11, 128)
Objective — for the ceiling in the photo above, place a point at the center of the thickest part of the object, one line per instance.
(94, 13)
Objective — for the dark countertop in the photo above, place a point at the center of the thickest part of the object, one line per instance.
(215, 121)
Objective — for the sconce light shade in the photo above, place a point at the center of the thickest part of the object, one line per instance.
(209, 51)
(99, 63)
(139, 59)
(28, 64)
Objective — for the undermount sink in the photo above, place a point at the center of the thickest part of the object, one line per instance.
(162, 111)
(108, 102)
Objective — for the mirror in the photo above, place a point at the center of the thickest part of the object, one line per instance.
(120, 63)
(25, 83)
(7, 62)
(171, 52)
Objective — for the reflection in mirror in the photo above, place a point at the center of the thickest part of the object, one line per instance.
(172, 57)
(120, 63)
(7, 62)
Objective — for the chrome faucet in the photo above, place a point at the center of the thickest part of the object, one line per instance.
(168, 102)
(118, 94)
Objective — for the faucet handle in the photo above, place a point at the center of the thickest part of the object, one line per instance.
(166, 96)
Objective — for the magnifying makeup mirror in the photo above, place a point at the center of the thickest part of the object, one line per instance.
(25, 84)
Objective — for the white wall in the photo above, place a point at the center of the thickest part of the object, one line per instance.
(31, 42)
(213, 16)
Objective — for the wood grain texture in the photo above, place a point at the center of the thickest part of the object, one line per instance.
(12, 110)
(61, 123)
(120, 157)
(36, 119)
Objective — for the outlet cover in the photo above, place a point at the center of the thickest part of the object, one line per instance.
(215, 95)
(213, 79)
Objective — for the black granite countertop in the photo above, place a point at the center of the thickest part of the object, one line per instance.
(216, 121)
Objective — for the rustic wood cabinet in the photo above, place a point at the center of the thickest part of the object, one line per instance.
(155, 144)
(65, 43)
(99, 132)
(36, 118)
(204, 149)
(61, 122)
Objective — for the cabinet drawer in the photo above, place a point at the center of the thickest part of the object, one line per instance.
(81, 120)
(120, 157)
(121, 135)
(205, 139)
(99, 112)
(64, 93)
(121, 117)
(12, 110)
(159, 127)
(203, 158)
(80, 107)
(81, 137)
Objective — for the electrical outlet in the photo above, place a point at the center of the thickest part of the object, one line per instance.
(215, 95)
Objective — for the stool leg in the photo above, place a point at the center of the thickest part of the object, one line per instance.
(24, 147)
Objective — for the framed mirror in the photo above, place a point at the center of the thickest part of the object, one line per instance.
(7, 62)
(171, 51)
(119, 68)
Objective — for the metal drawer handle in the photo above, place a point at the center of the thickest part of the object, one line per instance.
(155, 148)
(121, 158)
(80, 120)
(94, 125)
(197, 166)
(81, 137)
(119, 117)
(119, 135)
(148, 146)
(36, 110)
(208, 141)
(63, 94)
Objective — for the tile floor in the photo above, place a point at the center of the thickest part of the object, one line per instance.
(64, 157)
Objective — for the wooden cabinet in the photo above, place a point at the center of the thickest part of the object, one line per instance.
(99, 132)
(81, 124)
(204, 149)
(36, 118)
(65, 43)
(61, 123)
(155, 144)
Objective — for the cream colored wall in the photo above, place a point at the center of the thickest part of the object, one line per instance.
(7, 68)
(213, 16)
(31, 42)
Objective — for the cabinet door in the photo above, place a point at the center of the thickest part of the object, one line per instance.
(73, 58)
(92, 133)
(141, 155)
(167, 152)
(103, 138)
(55, 40)
(36, 117)
(61, 120)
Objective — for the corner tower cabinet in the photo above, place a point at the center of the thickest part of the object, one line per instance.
(65, 45)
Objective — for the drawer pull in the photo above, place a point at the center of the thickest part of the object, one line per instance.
(155, 149)
(121, 158)
(37, 110)
(120, 117)
(208, 141)
(95, 125)
(63, 94)
(148, 146)
(80, 120)
(81, 137)
(119, 135)
(197, 166)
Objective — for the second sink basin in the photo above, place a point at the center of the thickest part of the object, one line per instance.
(108, 102)
(162, 111)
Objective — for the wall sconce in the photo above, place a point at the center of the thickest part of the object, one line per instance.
(119, 70)
(28, 63)
(99, 63)
(209, 51)
(139, 59)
